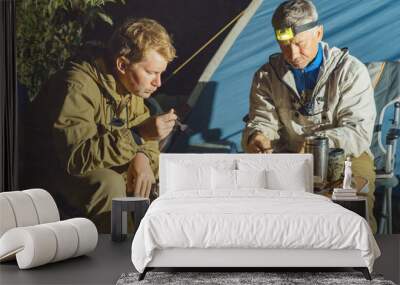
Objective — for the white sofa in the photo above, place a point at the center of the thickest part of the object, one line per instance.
(31, 231)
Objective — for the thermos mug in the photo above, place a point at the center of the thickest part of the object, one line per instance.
(318, 146)
(335, 164)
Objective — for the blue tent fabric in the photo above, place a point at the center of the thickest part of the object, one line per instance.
(369, 28)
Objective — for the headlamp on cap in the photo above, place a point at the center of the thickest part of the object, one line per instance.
(288, 33)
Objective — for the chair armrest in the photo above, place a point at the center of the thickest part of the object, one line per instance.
(389, 182)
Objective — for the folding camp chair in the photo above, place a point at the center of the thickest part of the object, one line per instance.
(386, 81)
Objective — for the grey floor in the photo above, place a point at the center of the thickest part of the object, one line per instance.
(110, 260)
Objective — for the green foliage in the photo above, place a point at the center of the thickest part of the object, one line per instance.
(48, 32)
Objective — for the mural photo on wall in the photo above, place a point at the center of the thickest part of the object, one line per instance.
(87, 72)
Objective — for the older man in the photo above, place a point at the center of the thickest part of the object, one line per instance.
(101, 141)
(311, 89)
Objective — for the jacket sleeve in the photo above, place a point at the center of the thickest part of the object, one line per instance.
(81, 144)
(356, 112)
(263, 116)
(151, 150)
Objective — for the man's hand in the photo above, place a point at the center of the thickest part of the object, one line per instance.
(140, 176)
(157, 127)
(302, 148)
(258, 143)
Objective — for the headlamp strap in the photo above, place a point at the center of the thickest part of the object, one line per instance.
(305, 27)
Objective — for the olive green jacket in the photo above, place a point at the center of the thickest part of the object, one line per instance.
(92, 129)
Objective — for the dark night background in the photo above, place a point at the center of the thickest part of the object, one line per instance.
(191, 23)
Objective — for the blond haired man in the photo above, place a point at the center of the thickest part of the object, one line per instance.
(105, 141)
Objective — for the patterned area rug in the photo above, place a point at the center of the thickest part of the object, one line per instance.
(242, 278)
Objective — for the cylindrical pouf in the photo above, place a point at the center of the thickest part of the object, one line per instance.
(67, 240)
(45, 205)
(34, 246)
(23, 208)
(7, 218)
(87, 235)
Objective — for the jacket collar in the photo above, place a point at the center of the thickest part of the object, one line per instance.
(330, 59)
(108, 80)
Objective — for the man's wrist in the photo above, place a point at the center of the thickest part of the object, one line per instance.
(144, 154)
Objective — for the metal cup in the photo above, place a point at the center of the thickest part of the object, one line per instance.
(318, 146)
(335, 164)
